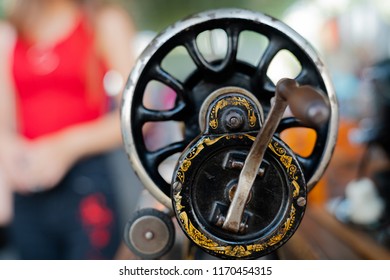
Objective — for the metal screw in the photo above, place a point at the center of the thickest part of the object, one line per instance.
(234, 120)
(301, 201)
(220, 220)
(243, 227)
(232, 192)
(149, 235)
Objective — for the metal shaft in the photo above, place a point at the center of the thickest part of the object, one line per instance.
(306, 103)
(252, 164)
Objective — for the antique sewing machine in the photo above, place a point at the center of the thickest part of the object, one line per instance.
(220, 168)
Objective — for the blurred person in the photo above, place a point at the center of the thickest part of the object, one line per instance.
(366, 202)
(57, 125)
(5, 191)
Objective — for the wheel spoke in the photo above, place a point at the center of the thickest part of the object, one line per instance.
(156, 157)
(232, 49)
(292, 122)
(287, 123)
(304, 78)
(308, 77)
(161, 75)
(307, 165)
(272, 49)
(197, 57)
(269, 87)
(147, 115)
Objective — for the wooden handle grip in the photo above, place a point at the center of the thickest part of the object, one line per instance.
(307, 103)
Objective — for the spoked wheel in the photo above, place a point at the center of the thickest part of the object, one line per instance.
(201, 73)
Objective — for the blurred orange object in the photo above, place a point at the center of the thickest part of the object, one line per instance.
(343, 166)
(346, 159)
(301, 141)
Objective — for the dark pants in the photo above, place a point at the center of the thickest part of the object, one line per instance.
(75, 220)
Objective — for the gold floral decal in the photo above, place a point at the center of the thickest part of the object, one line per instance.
(186, 163)
(232, 101)
(283, 230)
(200, 239)
(238, 251)
(296, 188)
(287, 162)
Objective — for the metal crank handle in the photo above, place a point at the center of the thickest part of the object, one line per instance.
(308, 105)
(306, 102)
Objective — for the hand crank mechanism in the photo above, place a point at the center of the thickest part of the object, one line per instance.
(238, 191)
(308, 105)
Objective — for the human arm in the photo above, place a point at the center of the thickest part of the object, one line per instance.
(54, 154)
(13, 147)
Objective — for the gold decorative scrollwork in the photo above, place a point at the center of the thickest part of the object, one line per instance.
(287, 162)
(238, 251)
(296, 189)
(198, 237)
(186, 163)
(177, 198)
(283, 230)
(232, 101)
(180, 175)
(284, 159)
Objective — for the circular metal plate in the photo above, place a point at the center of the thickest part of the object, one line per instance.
(202, 191)
(149, 233)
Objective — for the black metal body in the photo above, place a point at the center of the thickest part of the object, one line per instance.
(222, 105)
(207, 174)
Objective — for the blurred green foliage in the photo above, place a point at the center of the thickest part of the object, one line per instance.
(157, 14)
(1, 9)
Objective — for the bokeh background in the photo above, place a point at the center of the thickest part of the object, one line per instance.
(350, 35)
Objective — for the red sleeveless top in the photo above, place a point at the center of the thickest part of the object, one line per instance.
(59, 86)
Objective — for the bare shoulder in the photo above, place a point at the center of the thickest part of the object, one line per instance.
(7, 42)
(7, 37)
(112, 20)
(115, 34)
